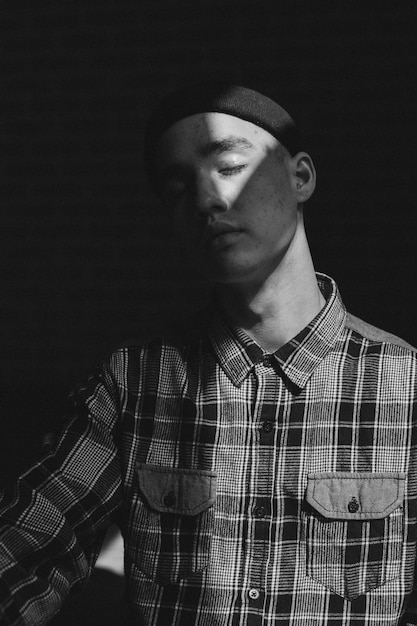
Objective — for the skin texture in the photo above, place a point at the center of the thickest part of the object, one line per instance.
(235, 196)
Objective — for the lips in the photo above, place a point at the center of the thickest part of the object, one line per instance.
(219, 231)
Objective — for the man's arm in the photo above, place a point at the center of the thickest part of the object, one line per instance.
(53, 519)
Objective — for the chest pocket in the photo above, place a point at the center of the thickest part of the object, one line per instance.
(171, 522)
(353, 529)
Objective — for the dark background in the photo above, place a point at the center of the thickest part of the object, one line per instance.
(87, 261)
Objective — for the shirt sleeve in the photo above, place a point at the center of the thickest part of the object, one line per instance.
(53, 519)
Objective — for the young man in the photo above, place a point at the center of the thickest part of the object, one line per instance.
(260, 462)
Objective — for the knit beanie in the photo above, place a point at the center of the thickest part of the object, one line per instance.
(242, 102)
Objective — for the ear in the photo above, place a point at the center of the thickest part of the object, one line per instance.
(303, 176)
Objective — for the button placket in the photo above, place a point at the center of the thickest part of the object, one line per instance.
(269, 386)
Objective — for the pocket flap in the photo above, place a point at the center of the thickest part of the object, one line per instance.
(361, 495)
(180, 491)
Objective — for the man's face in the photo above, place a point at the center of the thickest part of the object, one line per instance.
(229, 187)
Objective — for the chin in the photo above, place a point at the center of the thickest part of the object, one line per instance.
(226, 275)
(225, 269)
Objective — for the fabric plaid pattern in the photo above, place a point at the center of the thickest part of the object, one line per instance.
(251, 489)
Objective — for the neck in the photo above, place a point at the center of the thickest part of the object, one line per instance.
(274, 310)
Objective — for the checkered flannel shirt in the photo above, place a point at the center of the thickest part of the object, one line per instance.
(251, 489)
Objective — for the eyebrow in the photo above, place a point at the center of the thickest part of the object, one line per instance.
(227, 144)
(217, 146)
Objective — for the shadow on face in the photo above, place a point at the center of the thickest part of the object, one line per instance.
(233, 192)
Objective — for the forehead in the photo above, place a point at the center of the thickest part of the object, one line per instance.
(195, 133)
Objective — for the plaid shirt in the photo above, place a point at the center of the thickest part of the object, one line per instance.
(251, 489)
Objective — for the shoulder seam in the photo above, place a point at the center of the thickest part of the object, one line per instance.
(375, 334)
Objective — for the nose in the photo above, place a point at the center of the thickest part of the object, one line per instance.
(209, 196)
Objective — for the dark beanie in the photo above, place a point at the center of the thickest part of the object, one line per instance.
(247, 104)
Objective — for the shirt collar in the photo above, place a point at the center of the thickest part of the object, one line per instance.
(238, 354)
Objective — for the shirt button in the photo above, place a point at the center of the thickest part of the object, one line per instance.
(268, 360)
(254, 594)
(353, 505)
(170, 499)
(267, 426)
(259, 511)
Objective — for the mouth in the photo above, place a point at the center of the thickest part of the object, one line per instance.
(218, 234)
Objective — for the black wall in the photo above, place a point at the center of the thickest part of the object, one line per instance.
(86, 257)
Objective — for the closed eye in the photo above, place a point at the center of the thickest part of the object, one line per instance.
(232, 170)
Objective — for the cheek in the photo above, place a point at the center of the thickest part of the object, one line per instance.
(275, 220)
(267, 202)
(268, 183)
